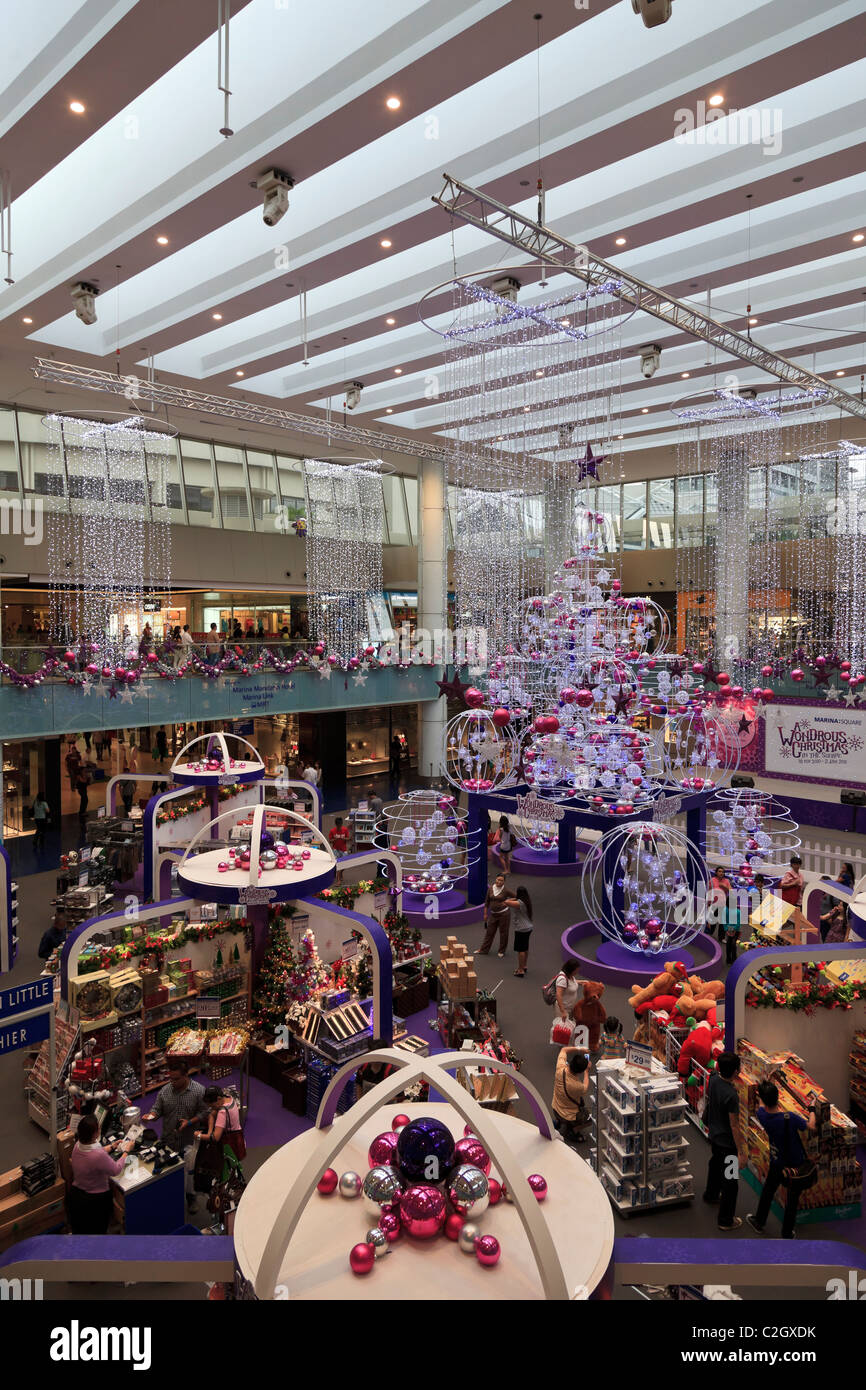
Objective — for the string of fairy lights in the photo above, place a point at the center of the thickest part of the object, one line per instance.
(345, 512)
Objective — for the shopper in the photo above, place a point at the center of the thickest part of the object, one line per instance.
(788, 1162)
(570, 1085)
(792, 882)
(89, 1201)
(732, 925)
(179, 1104)
(612, 1040)
(846, 875)
(213, 644)
(497, 917)
(224, 1124)
(834, 925)
(374, 802)
(82, 782)
(521, 921)
(311, 774)
(41, 813)
(504, 844)
(73, 762)
(53, 936)
(161, 745)
(721, 1117)
(369, 1074)
(339, 837)
(720, 887)
(567, 988)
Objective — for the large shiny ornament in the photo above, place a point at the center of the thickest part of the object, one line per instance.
(471, 1150)
(538, 1185)
(362, 1258)
(487, 1251)
(469, 1233)
(422, 1211)
(382, 1187)
(425, 1150)
(382, 1149)
(327, 1182)
(350, 1185)
(379, 1241)
(468, 1191)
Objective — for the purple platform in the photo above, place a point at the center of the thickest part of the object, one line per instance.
(453, 911)
(448, 902)
(533, 862)
(614, 965)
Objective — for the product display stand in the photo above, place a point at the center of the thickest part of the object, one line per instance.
(638, 1115)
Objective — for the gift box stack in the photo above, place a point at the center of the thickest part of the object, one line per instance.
(319, 1073)
(37, 1174)
(840, 1178)
(457, 969)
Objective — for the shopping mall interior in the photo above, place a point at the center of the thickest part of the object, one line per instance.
(433, 660)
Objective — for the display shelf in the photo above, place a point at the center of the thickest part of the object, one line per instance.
(640, 1153)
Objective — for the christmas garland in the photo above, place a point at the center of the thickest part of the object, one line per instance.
(814, 993)
(346, 894)
(109, 956)
(180, 809)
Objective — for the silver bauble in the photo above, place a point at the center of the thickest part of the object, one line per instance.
(350, 1185)
(383, 1188)
(467, 1237)
(468, 1191)
(268, 859)
(378, 1240)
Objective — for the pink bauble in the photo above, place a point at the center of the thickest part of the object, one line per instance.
(767, 696)
(766, 672)
(381, 1151)
(568, 695)
(584, 697)
(422, 1211)
(501, 717)
(361, 1258)
(723, 678)
(327, 1182)
(92, 669)
(736, 692)
(797, 674)
(391, 1226)
(473, 697)
(399, 1122)
(471, 1150)
(223, 866)
(494, 1191)
(453, 1225)
(538, 1185)
(487, 1251)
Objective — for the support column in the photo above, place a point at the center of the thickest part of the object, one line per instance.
(732, 565)
(432, 603)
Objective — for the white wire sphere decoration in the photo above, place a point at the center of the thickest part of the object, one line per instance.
(616, 764)
(550, 757)
(535, 833)
(477, 754)
(748, 827)
(645, 887)
(701, 750)
(647, 625)
(426, 832)
(609, 681)
(514, 683)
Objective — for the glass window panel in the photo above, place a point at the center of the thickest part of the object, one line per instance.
(452, 512)
(608, 501)
(410, 487)
(8, 461)
(634, 516)
(690, 510)
(198, 483)
(41, 462)
(533, 523)
(818, 483)
(231, 477)
(290, 477)
(395, 509)
(661, 517)
(263, 489)
(163, 474)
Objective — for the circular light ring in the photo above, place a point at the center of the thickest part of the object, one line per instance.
(701, 751)
(435, 850)
(81, 428)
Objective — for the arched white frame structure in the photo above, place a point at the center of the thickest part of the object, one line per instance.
(436, 1071)
(259, 824)
(253, 766)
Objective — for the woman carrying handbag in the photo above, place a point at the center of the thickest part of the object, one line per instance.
(221, 1146)
(789, 1165)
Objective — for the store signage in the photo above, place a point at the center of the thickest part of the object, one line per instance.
(17, 1034)
(207, 1006)
(639, 1055)
(534, 808)
(667, 808)
(20, 999)
(350, 949)
(152, 605)
(801, 741)
(256, 897)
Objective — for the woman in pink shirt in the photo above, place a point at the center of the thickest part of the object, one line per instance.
(89, 1199)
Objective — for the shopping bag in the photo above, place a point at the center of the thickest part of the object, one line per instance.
(561, 1032)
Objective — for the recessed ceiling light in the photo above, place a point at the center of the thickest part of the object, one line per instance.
(239, 372)
(391, 321)
(539, 372)
(385, 243)
(619, 436)
(162, 241)
(393, 103)
(26, 320)
(753, 322)
(564, 322)
(717, 99)
(78, 107)
(500, 437)
(620, 241)
(389, 411)
(644, 410)
(839, 373)
(218, 317)
(525, 409)
(858, 236)
(684, 374)
(398, 371)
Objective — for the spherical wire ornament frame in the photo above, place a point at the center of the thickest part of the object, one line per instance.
(645, 887)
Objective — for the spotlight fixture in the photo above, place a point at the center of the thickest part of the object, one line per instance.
(391, 322)
(507, 287)
(839, 373)
(84, 299)
(162, 241)
(653, 12)
(752, 322)
(77, 107)
(217, 317)
(389, 411)
(684, 375)
(353, 391)
(238, 372)
(644, 410)
(274, 185)
(393, 103)
(25, 320)
(650, 357)
(398, 371)
(858, 236)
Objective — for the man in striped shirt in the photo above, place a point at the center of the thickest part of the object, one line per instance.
(179, 1104)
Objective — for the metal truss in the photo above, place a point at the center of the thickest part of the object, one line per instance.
(539, 242)
(141, 392)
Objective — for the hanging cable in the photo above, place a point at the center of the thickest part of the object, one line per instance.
(6, 223)
(748, 264)
(223, 22)
(538, 19)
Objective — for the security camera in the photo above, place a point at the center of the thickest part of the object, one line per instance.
(650, 357)
(653, 12)
(275, 187)
(507, 288)
(353, 391)
(83, 297)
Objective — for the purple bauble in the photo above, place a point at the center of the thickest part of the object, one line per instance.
(471, 1150)
(422, 1211)
(425, 1150)
(382, 1150)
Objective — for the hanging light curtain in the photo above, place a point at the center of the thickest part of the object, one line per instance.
(345, 530)
(109, 547)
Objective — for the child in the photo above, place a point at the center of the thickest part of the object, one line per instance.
(612, 1040)
(732, 933)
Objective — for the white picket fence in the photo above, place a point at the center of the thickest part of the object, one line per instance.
(821, 858)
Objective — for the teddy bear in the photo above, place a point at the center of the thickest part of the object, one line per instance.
(687, 1006)
(698, 1050)
(673, 976)
(590, 1011)
(701, 988)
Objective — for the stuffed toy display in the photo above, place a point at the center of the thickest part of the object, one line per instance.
(591, 1012)
(698, 1001)
(700, 1048)
(673, 978)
